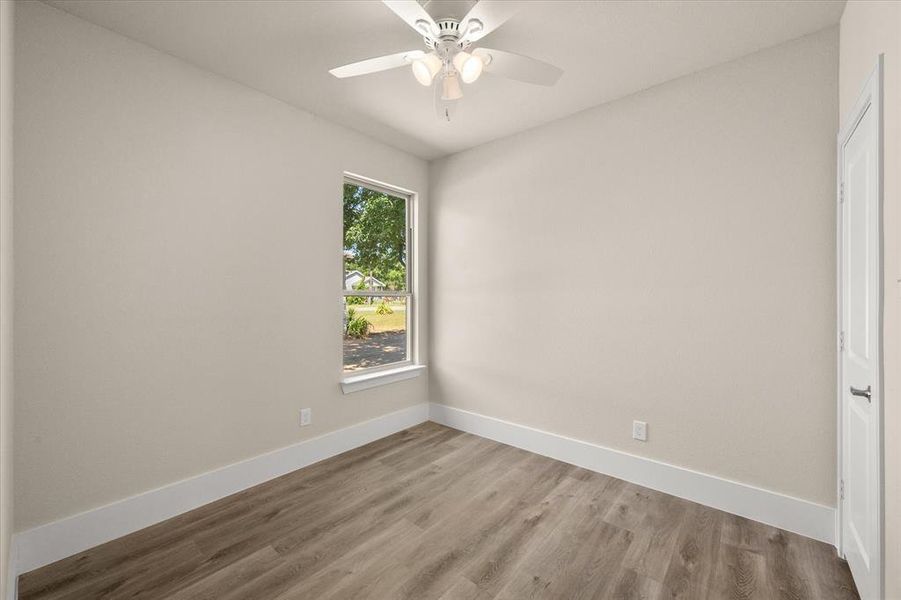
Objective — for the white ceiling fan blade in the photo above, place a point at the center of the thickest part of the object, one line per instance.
(414, 15)
(374, 65)
(519, 67)
(491, 14)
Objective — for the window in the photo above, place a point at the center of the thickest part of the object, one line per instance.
(378, 287)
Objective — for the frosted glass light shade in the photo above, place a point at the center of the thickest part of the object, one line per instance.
(469, 66)
(425, 68)
(451, 87)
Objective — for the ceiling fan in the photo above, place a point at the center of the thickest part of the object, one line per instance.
(449, 57)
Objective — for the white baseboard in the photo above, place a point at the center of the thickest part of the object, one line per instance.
(54, 541)
(12, 571)
(48, 543)
(792, 514)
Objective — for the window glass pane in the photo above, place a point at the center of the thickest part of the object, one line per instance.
(375, 243)
(375, 331)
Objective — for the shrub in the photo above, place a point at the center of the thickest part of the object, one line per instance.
(353, 300)
(384, 309)
(357, 326)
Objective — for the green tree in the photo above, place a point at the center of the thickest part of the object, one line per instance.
(374, 234)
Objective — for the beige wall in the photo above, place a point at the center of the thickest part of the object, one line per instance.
(140, 175)
(667, 257)
(867, 30)
(6, 289)
(176, 238)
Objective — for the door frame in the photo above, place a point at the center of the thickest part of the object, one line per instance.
(870, 97)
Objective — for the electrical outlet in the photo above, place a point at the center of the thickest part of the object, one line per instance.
(306, 416)
(640, 430)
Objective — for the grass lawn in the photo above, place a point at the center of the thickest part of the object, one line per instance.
(396, 321)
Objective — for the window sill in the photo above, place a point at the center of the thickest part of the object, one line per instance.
(357, 383)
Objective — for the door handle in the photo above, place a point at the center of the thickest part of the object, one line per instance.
(862, 393)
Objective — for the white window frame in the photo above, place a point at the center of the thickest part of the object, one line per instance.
(352, 381)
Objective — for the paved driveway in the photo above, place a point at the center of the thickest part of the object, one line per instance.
(375, 350)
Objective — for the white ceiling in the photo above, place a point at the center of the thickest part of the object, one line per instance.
(608, 50)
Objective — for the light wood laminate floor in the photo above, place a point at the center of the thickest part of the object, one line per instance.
(432, 512)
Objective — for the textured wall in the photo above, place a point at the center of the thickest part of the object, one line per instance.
(180, 247)
(6, 290)
(667, 257)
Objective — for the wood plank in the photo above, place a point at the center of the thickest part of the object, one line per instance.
(696, 554)
(435, 513)
(632, 585)
(239, 573)
(577, 560)
(739, 575)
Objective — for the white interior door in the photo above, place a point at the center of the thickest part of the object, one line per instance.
(859, 148)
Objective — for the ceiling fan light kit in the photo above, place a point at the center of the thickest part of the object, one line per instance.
(448, 59)
(450, 87)
(468, 66)
(425, 68)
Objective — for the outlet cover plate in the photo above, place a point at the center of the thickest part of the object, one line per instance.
(640, 431)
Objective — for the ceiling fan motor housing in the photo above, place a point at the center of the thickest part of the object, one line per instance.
(449, 30)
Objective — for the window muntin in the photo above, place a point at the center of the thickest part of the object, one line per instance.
(377, 287)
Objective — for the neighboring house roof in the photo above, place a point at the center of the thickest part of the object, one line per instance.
(353, 278)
